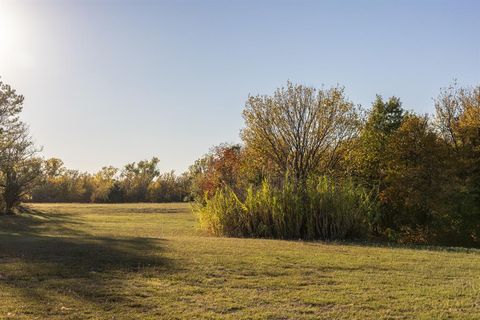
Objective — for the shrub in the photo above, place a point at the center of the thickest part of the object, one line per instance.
(222, 213)
(321, 209)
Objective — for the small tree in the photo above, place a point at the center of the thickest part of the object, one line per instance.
(219, 168)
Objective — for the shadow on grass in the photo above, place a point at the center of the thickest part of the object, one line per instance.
(44, 259)
(33, 222)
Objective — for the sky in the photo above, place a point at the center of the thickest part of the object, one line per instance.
(112, 82)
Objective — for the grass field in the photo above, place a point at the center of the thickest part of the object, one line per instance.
(148, 261)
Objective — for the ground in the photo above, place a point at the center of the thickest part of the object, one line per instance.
(148, 261)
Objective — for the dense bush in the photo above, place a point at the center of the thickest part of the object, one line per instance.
(322, 209)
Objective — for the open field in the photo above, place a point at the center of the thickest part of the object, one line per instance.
(148, 261)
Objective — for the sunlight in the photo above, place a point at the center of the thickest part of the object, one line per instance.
(13, 38)
(239, 159)
(7, 27)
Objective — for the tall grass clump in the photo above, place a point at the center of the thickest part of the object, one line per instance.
(318, 209)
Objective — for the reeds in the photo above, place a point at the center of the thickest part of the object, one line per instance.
(321, 208)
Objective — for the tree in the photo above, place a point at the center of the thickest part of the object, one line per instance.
(138, 182)
(168, 187)
(223, 166)
(48, 189)
(103, 182)
(367, 158)
(59, 184)
(299, 128)
(413, 193)
(53, 167)
(19, 168)
(11, 104)
(137, 178)
(458, 122)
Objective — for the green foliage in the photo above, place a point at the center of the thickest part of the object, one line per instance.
(299, 129)
(412, 194)
(59, 184)
(221, 214)
(103, 182)
(366, 160)
(137, 177)
(324, 209)
(138, 182)
(458, 124)
(19, 166)
(307, 160)
(425, 179)
(168, 187)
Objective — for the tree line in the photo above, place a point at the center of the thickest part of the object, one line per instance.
(136, 182)
(26, 177)
(311, 165)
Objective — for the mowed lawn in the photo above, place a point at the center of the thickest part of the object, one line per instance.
(148, 261)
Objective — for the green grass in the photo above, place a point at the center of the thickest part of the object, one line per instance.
(148, 261)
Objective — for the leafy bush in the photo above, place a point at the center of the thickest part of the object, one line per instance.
(321, 209)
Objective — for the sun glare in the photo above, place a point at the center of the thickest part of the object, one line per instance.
(6, 27)
(13, 38)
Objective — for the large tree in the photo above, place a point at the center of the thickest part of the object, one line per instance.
(458, 121)
(412, 194)
(19, 168)
(299, 129)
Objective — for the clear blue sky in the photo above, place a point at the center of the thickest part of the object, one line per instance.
(110, 82)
